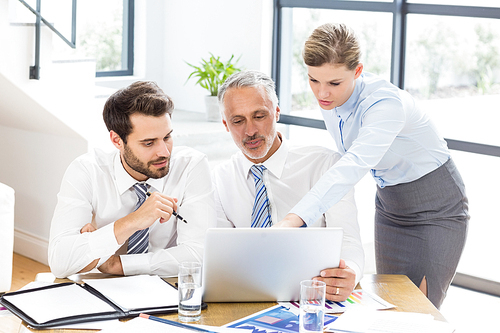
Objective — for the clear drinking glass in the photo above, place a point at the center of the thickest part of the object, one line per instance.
(312, 306)
(189, 285)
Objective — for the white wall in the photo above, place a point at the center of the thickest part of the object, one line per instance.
(42, 131)
(36, 147)
(33, 164)
(169, 33)
(194, 28)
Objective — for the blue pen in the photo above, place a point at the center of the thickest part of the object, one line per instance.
(174, 213)
(174, 323)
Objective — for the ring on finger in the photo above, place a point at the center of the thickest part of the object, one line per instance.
(338, 291)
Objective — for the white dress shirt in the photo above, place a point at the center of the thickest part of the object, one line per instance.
(96, 188)
(290, 174)
(380, 129)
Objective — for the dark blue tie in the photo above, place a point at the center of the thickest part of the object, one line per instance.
(139, 241)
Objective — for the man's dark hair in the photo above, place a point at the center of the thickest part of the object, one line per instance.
(144, 97)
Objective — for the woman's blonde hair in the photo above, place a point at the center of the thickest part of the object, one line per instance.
(332, 44)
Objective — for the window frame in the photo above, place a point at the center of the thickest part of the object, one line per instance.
(128, 42)
(400, 9)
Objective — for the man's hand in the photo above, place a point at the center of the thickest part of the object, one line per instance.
(340, 282)
(112, 266)
(88, 228)
(157, 206)
(290, 220)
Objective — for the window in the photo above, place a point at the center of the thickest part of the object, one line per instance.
(452, 68)
(446, 53)
(300, 23)
(107, 34)
(104, 32)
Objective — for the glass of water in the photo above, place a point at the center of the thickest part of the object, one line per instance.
(189, 284)
(312, 306)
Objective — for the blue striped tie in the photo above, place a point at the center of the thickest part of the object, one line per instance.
(261, 212)
(139, 241)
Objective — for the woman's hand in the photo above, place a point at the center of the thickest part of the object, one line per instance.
(290, 221)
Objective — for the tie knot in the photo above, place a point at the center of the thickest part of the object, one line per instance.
(141, 189)
(257, 171)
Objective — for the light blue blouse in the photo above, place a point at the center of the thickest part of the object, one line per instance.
(379, 129)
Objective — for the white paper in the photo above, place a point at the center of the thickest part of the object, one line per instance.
(139, 324)
(364, 320)
(4, 312)
(136, 292)
(91, 325)
(36, 284)
(219, 329)
(48, 304)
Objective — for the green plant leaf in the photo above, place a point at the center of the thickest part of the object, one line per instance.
(212, 72)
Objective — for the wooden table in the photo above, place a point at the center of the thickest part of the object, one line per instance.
(395, 289)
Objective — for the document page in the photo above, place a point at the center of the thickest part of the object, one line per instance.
(363, 320)
(136, 292)
(139, 324)
(48, 304)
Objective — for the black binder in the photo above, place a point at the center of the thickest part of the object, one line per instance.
(7, 301)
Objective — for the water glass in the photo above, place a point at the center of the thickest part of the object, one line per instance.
(189, 285)
(312, 306)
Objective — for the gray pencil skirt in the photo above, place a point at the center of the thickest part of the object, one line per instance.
(421, 227)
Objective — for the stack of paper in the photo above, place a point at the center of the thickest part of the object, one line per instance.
(365, 320)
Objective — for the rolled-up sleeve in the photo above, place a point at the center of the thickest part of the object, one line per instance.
(69, 250)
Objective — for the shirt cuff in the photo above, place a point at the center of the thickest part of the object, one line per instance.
(103, 260)
(307, 212)
(102, 242)
(351, 264)
(134, 264)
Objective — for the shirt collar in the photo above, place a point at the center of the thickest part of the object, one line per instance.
(124, 181)
(274, 164)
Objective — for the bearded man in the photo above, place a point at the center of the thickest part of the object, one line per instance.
(125, 212)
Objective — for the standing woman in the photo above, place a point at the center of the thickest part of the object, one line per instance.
(421, 207)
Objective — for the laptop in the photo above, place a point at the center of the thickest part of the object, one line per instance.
(265, 264)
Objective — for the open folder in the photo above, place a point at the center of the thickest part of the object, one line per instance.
(95, 299)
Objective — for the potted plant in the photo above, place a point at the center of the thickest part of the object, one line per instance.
(211, 74)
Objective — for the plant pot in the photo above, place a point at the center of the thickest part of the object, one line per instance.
(212, 108)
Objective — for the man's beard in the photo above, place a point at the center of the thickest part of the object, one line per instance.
(257, 155)
(135, 164)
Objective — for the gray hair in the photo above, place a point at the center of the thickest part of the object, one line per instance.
(248, 78)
